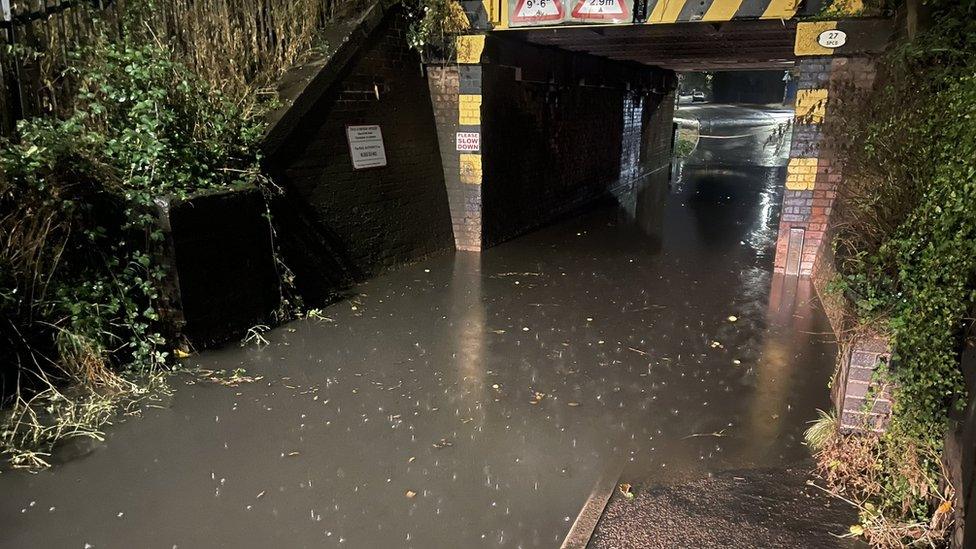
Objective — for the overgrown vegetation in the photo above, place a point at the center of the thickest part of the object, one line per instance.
(906, 256)
(155, 100)
(434, 24)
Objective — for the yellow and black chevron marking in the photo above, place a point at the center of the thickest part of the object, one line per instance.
(665, 11)
(677, 11)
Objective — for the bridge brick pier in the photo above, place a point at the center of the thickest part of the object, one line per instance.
(556, 130)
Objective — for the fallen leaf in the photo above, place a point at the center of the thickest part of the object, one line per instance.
(410, 494)
(733, 318)
(625, 490)
(857, 530)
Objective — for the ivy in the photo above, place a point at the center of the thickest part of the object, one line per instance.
(80, 283)
(906, 241)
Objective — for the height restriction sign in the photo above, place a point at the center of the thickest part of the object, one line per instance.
(601, 10)
(534, 12)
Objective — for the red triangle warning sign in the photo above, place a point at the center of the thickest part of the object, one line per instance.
(601, 9)
(537, 11)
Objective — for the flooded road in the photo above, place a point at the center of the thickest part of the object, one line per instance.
(474, 400)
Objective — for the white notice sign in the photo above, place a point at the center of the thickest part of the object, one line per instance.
(468, 141)
(366, 146)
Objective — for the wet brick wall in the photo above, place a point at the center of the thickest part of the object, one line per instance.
(813, 175)
(560, 131)
(221, 273)
(371, 219)
(447, 83)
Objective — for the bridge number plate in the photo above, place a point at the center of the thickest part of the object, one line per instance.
(832, 38)
(366, 146)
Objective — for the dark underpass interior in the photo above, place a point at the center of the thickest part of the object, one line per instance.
(476, 399)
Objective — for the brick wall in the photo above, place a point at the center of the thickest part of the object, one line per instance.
(221, 276)
(814, 179)
(561, 130)
(375, 218)
(447, 83)
(814, 175)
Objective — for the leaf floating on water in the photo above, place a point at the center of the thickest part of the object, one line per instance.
(573, 404)
(410, 494)
(733, 318)
(443, 443)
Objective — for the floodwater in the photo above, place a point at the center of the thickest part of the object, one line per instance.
(473, 400)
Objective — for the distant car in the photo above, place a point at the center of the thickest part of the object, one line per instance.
(698, 97)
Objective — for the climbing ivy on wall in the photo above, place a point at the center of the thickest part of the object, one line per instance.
(906, 241)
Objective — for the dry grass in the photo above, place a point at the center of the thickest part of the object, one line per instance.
(853, 466)
(33, 427)
(240, 45)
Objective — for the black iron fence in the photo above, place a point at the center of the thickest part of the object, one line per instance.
(36, 39)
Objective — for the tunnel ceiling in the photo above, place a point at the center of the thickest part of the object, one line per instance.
(732, 45)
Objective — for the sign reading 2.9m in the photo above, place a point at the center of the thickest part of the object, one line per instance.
(366, 146)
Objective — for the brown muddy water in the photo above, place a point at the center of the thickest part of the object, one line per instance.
(473, 400)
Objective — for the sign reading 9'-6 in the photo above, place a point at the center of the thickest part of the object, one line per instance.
(525, 13)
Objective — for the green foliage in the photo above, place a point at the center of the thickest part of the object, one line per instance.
(433, 26)
(80, 282)
(906, 244)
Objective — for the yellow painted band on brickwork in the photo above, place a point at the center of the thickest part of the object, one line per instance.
(722, 10)
(807, 35)
(811, 105)
(469, 48)
(469, 109)
(781, 9)
(801, 174)
(470, 170)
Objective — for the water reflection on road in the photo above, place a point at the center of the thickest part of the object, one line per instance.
(473, 400)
